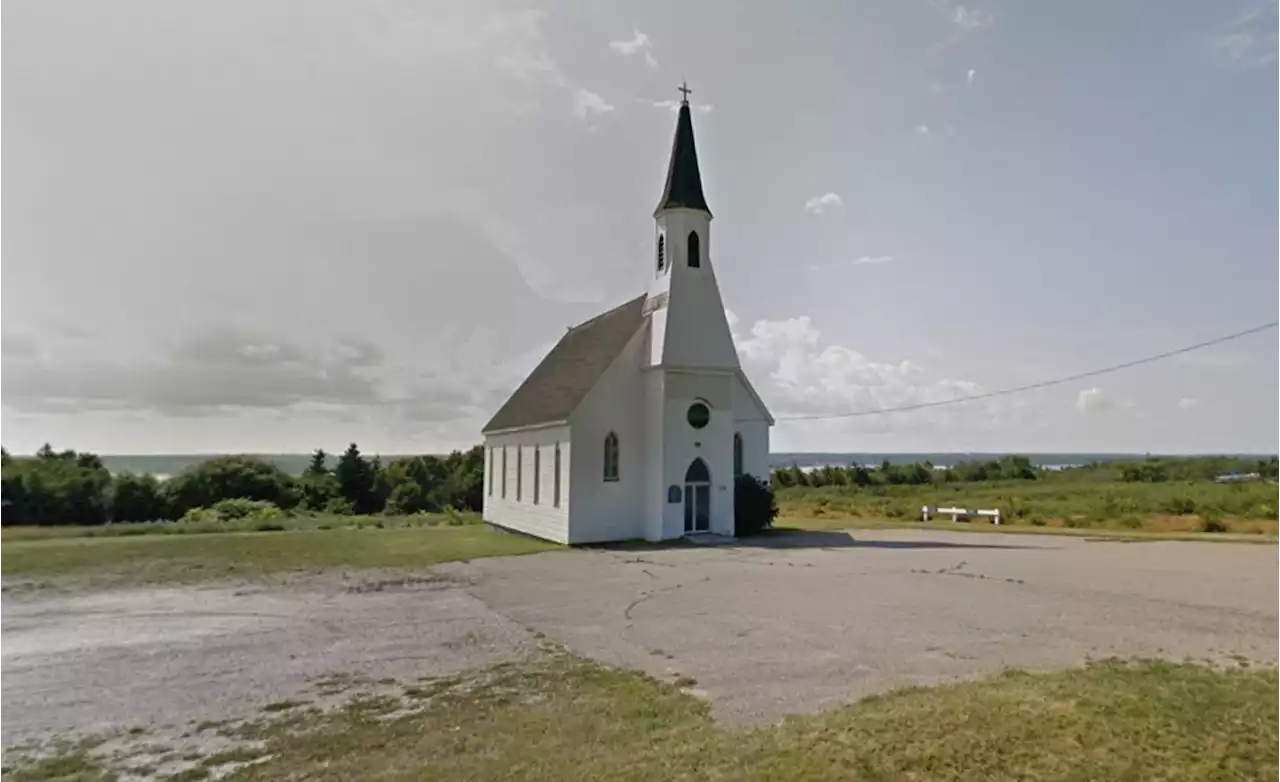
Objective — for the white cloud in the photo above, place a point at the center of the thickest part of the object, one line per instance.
(865, 260)
(1188, 403)
(820, 204)
(970, 19)
(521, 48)
(1093, 399)
(1248, 41)
(797, 374)
(587, 104)
(638, 44)
(962, 21)
(674, 105)
(922, 130)
(970, 76)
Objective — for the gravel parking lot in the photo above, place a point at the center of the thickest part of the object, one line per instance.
(792, 624)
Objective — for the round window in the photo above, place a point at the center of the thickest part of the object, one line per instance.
(699, 415)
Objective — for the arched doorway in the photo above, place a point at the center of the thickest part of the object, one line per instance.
(697, 498)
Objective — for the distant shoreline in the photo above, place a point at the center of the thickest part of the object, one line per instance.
(167, 465)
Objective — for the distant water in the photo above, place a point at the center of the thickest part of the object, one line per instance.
(1052, 461)
(165, 465)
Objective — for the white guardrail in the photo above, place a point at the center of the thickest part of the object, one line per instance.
(960, 513)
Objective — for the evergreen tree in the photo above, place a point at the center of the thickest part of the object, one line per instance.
(356, 481)
(317, 468)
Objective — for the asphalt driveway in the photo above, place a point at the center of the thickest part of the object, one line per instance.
(817, 619)
(790, 624)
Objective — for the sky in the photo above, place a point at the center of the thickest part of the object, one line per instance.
(271, 226)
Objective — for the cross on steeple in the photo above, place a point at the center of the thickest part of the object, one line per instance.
(684, 90)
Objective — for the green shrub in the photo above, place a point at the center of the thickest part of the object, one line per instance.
(338, 507)
(1131, 522)
(1180, 506)
(200, 515)
(754, 508)
(1036, 521)
(236, 508)
(454, 519)
(1211, 521)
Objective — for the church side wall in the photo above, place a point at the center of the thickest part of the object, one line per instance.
(750, 422)
(611, 510)
(516, 510)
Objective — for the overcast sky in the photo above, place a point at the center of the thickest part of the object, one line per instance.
(260, 225)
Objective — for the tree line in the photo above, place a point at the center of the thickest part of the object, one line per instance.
(910, 474)
(69, 487)
(1152, 469)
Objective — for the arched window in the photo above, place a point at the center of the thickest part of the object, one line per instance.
(697, 472)
(662, 251)
(737, 455)
(695, 250)
(611, 457)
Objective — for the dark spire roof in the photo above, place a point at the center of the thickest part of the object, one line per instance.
(684, 183)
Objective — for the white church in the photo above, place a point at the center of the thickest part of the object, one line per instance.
(638, 421)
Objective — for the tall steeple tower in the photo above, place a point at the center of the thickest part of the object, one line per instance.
(684, 181)
(689, 326)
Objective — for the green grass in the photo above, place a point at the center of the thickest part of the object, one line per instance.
(571, 719)
(1053, 502)
(567, 719)
(840, 523)
(301, 521)
(165, 558)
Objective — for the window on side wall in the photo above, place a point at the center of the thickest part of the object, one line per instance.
(611, 457)
(537, 474)
(555, 488)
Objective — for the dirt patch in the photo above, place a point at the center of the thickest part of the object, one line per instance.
(169, 658)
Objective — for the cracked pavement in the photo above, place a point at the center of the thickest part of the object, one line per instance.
(814, 620)
(784, 625)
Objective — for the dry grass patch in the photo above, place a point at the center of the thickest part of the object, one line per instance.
(566, 719)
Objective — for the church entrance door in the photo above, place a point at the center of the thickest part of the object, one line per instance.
(697, 498)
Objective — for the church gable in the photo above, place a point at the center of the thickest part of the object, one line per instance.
(560, 382)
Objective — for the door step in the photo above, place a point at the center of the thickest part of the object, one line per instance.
(709, 539)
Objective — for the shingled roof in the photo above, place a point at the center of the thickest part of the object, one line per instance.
(558, 385)
(684, 181)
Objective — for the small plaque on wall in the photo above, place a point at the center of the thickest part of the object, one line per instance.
(673, 493)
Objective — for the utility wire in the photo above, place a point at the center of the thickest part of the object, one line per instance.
(1041, 384)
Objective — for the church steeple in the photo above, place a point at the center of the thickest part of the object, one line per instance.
(684, 182)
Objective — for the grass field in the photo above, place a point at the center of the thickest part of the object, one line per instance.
(153, 558)
(565, 719)
(1174, 507)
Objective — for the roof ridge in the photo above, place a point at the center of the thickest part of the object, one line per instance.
(607, 313)
(555, 388)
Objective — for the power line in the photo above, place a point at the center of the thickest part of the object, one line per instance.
(1041, 384)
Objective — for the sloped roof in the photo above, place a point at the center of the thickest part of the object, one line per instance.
(684, 181)
(558, 385)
